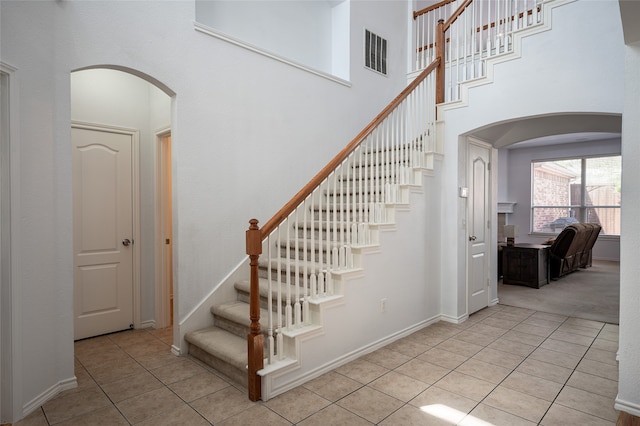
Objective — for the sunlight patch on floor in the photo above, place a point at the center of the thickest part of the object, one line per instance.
(452, 415)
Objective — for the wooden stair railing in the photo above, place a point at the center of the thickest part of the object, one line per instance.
(481, 30)
(256, 235)
(441, 31)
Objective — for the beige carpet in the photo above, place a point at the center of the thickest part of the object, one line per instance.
(592, 293)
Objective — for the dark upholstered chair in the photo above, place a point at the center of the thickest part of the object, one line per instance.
(586, 260)
(572, 248)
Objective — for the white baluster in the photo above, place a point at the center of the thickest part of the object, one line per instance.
(297, 309)
(322, 286)
(335, 208)
(288, 310)
(306, 315)
(354, 234)
(344, 199)
(279, 298)
(311, 225)
(387, 192)
(280, 340)
(270, 303)
(372, 212)
(320, 241)
(313, 282)
(335, 259)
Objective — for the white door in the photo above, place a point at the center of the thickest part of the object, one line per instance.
(102, 231)
(478, 233)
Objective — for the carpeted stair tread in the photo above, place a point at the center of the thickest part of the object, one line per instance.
(222, 344)
(263, 283)
(238, 312)
(312, 267)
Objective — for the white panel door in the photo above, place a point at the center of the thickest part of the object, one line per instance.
(478, 228)
(103, 231)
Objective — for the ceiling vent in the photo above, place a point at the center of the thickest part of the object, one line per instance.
(375, 52)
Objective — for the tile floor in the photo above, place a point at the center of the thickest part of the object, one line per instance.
(503, 366)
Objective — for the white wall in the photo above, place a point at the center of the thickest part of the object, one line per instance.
(628, 398)
(115, 98)
(518, 187)
(411, 289)
(543, 81)
(298, 30)
(242, 125)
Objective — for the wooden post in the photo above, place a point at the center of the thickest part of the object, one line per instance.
(440, 49)
(255, 339)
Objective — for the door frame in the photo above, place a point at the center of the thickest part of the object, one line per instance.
(135, 203)
(10, 294)
(163, 313)
(491, 234)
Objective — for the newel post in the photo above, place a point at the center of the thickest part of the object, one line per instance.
(440, 49)
(255, 339)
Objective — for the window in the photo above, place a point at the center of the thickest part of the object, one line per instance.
(576, 190)
(375, 52)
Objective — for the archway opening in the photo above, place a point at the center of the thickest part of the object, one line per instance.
(110, 99)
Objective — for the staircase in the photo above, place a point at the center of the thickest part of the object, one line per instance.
(321, 239)
(302, 254)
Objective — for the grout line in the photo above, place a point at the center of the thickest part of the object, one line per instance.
(456, 330)
(571, 375)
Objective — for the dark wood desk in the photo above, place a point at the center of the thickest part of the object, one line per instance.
(525, 264)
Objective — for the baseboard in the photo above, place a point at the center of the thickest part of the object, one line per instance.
(45, 396)
(148, 324)
(454, 320)
(494, 302)
(627, 407)
(606, 259)
(270, 390)
(175, 350)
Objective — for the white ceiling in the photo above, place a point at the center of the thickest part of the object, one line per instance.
(566, 138)
(551, 129)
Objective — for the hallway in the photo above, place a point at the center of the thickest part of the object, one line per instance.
(503, 366)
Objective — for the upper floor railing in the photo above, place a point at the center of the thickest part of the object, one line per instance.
(473, 32)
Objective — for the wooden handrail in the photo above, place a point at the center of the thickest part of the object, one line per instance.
(456, 14)
(255, 235)
(432, 7)
(486, 26)
(288, 208)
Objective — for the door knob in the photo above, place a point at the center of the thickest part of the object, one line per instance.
(126, 242)
(472, 238)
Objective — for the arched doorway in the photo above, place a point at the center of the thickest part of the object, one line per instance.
(539, 137)
(116, 115)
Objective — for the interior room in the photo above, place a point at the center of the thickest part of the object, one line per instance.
(588, 292)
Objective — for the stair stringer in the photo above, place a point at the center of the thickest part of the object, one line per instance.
(515, 53)
(303, 346)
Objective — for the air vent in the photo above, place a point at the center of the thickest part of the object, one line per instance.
(375, 52)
